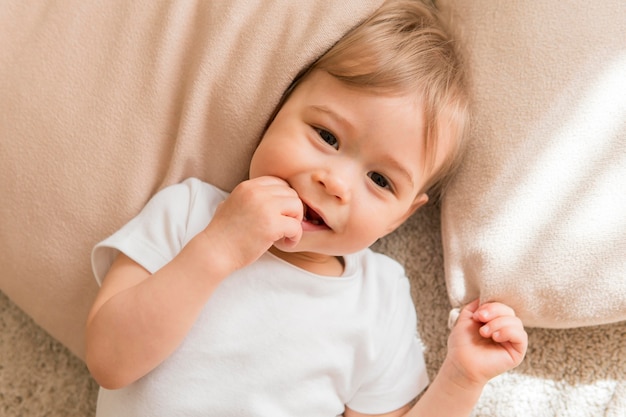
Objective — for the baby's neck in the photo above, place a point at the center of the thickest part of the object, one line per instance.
(327, 265)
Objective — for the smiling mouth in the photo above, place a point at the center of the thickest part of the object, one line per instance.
(312, 217)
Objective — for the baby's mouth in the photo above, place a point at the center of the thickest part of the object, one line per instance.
(311, 216)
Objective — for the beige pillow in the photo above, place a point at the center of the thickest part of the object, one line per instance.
(537, 216)
(105, 102)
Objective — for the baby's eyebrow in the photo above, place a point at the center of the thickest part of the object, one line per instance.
(339, 119)
(396, 165)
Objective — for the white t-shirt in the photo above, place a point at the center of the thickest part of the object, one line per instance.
(273, 340)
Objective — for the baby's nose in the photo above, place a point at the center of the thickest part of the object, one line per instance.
(336, 183)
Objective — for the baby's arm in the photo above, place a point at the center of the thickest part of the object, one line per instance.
(485, 342)
(139, 319)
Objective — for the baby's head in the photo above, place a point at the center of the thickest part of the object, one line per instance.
(404, 48)
(369, 128)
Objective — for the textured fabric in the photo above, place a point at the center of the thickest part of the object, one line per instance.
(576, 372)
(537, 215)
(105, 102)
(273, 340)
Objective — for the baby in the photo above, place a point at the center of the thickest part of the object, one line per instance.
(267, 301)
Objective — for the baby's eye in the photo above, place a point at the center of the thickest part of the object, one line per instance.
(379, 180)
(328, 137)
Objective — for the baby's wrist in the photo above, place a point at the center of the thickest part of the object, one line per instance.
(451, 393)
(455, 375)
(205, 258)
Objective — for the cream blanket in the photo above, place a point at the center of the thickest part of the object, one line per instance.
(537, 216)
(103, 103)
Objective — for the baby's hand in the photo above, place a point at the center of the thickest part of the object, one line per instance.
(258, 213)
(486, 341)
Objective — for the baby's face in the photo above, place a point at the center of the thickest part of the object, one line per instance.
(355, 159)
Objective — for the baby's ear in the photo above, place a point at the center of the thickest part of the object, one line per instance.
(419, 201)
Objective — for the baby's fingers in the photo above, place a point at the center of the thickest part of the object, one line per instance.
(509, 332)
(292, 233)
(489, 311)
(504, 329)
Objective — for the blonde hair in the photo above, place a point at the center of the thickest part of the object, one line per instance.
(404, 47)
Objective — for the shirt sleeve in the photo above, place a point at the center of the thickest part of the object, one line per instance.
(157, 234)
(400, 373)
